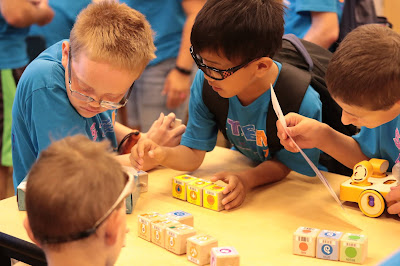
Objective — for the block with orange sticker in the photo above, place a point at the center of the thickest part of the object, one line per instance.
(176, 238)
(179, 185)
(304, 241)
(158, 230)
(195, 191)
(199, 248)
(144, 224)
(213, 196)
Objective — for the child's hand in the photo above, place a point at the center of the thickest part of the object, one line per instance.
(145, 147)
(393, 200)
(163, 131)
(235, 190)
(304, 131)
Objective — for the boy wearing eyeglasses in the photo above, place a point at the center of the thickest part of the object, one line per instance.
(76, 86)
(233, 43)
(71, 221)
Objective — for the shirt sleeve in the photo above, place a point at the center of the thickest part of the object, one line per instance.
(201, 131)
(317, 6)
(311, 106)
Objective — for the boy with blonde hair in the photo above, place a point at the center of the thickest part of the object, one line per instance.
(76, 86)
(75, 203)
(363, 77)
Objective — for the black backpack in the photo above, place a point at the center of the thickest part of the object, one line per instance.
(303, 64)
(357, 13)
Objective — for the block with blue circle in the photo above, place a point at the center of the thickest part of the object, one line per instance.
(182, 217)
(328, 244)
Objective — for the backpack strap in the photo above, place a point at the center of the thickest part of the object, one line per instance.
(290, 89)
(296, 42)
(217, 105)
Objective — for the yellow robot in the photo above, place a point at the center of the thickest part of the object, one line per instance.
(368, 186)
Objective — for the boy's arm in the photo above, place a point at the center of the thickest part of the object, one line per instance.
(309, 133)
(162, 131)
(324, 29)
(177, 84)
(23, 13)
(179, 158)
(239, 183)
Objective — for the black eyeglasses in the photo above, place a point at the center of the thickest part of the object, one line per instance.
(215, 73)
(88, 99)
(128, 189)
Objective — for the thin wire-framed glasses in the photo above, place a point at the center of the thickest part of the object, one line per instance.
(88, 99)
(212, 72)
(128, 189)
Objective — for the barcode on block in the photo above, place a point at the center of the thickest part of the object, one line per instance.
(303, 239)
(353, 245)
(329, 242)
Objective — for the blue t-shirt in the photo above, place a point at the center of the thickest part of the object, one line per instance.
(382, 142)
(166, 19)
(42, 113)
(246, 126)
(298, 13)
(13, 52)
(65, 12)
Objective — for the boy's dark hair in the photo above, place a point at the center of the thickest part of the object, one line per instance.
(365, 69)
(240, 30)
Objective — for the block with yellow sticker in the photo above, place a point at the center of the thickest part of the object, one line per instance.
(199, 247)
(158, 230)
(195, 191)
(179, 185)
(144, 224)
(212, 197)
(176, 238)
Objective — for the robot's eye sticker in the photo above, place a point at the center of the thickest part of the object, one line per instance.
(360, 173)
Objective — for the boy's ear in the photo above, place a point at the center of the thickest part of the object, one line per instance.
(112, 226)
(29, 231)
(65, 51)
(263, 64)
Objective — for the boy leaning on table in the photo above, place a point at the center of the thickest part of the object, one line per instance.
(75, 203)
(77, 85)
(233, 43)
(363, 77)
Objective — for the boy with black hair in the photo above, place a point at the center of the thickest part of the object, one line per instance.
(233, 43)
(363, 77)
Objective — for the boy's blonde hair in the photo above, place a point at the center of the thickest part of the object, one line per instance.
(114, 33)
(74, 182)
(365, 69)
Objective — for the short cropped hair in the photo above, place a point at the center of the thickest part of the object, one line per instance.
(240, 30)
(365, 69)
(114, 33)
(74, 182)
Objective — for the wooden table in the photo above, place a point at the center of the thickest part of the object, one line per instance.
(261, 229)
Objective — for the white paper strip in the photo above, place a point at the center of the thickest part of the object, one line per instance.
(281, 118)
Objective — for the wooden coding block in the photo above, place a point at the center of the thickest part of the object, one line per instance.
(195, 191)
(158, 229)
(304, 241)
(177, 236)
(212, 197)
(199, 248)
(182, 217)
(328, 245)
(353, 248)
(179, 185)
(224, 256)
(144, 224)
